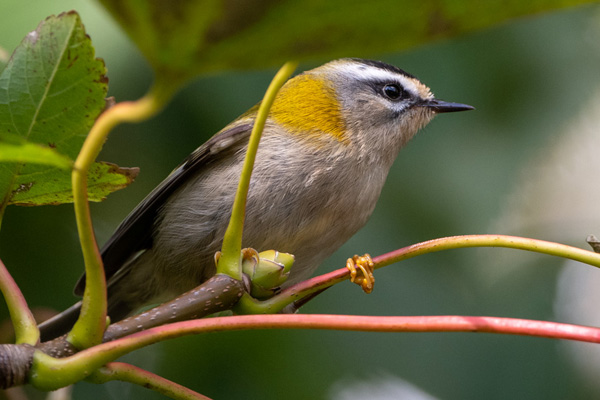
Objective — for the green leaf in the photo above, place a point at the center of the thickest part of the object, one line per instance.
(53, 186)
(33, 153)
(53, 88)
(51, 92)
(183, 38)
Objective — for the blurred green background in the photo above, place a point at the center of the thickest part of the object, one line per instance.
(508, 167)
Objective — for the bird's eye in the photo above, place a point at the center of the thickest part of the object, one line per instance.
(392, 91)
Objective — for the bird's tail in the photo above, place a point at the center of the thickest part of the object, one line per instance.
(60, 323)
(121, 303)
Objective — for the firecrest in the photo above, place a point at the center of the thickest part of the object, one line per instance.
(331, 137)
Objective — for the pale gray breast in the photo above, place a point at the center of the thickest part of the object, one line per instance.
(307, 204)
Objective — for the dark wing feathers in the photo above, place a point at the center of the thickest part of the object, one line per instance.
(135, 232)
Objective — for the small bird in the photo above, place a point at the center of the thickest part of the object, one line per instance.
(328, 144)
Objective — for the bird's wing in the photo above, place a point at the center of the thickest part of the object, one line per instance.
(135, 232)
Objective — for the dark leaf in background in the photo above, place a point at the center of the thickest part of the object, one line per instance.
(183, 38)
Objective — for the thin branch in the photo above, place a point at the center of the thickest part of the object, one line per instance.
(52, 373)
(313, 285)
(129, 373)
(513, 242)
(26, 330)
(219, 293)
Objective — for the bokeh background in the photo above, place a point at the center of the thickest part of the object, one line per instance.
(524, 163)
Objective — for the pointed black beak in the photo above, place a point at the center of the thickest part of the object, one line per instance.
(440, 106)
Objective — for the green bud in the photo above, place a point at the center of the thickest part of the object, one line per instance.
(267, 272)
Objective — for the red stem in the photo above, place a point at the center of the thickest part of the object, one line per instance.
(445, 323)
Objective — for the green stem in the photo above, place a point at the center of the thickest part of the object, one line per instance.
(89, 328)
(26, 331)
(512, 242)
(308, 287)
(117, 371)
(230, 260)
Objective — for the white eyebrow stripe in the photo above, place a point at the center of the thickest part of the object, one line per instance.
(370, 73)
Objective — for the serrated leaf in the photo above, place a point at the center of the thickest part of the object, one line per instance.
(51, 92)
(53, 87)
(53, 187)
(33, 153)
(183, 38)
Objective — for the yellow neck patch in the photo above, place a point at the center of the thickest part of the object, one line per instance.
(307, 104)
